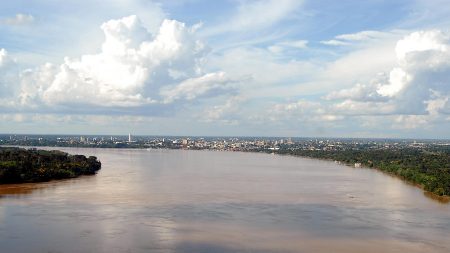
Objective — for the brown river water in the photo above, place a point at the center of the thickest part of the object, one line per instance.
(207, 201)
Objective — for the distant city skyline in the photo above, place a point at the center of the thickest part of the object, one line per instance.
(361, 69)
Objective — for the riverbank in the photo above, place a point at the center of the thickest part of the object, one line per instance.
(432, 195)
(144, 200)
(19, 165)
(426, 170)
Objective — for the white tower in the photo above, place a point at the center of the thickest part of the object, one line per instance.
(129, 137)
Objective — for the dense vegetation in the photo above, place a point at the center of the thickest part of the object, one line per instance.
(19, 165)
(428, 168)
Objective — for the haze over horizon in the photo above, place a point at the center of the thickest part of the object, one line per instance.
(226, 68)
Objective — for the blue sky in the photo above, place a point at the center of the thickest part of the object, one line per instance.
(261, 68)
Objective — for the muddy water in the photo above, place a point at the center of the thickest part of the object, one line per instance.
(205, 201)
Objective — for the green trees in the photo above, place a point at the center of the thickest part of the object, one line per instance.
(428, 168)
(20, 165)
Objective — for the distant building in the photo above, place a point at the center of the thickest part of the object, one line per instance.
(358, 165)
(129, 137)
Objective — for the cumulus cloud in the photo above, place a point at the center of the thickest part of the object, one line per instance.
(422, 41)
(4, 57)
(414, 93)
(8, 76)
(229, 112)
(18, 19)
(360, 92)
(360, 64)
(423, 69)
(208, 85)
(305, 111)
(133, 69)
(129, 68)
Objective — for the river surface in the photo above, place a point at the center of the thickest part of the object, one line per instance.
(207, 201)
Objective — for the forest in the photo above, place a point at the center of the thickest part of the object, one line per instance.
(428, 168)
(18, 165)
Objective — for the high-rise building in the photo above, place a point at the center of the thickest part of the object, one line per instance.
(129, 137)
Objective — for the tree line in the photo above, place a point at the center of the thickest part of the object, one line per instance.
(18, 165)
(427, 168)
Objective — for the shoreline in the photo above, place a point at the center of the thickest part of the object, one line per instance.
(20, 165)
(442, 199)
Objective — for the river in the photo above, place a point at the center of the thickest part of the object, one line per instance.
(209, 201)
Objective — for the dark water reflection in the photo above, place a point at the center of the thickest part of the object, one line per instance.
(200, 201)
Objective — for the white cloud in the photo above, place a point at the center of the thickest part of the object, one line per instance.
(360, 92)
(209, 85)
(8, 76)
(358, 37)
(73, 123)
(411, 121)
(33, 84)
(254, 15)
(419, 84)
(229, 112)
(301, 107)
(361, 65)
(414, 94)
(133, 68)
(361, 36)
(4, 57)
(140, 68)
(398, 79)
(276, 49)
(305, 112)
(437, 107)
(293, 44)
(19, 19)
(334, 43)
(423, 70)
(424, 44)
(262, 68)
(350, 107)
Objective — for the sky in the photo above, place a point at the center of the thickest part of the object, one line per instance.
(292, 68)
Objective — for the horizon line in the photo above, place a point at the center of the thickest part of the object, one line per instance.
(228, 136)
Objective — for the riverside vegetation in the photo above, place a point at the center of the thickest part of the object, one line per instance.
(428, 168)
(425, 163)
(18, 165)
